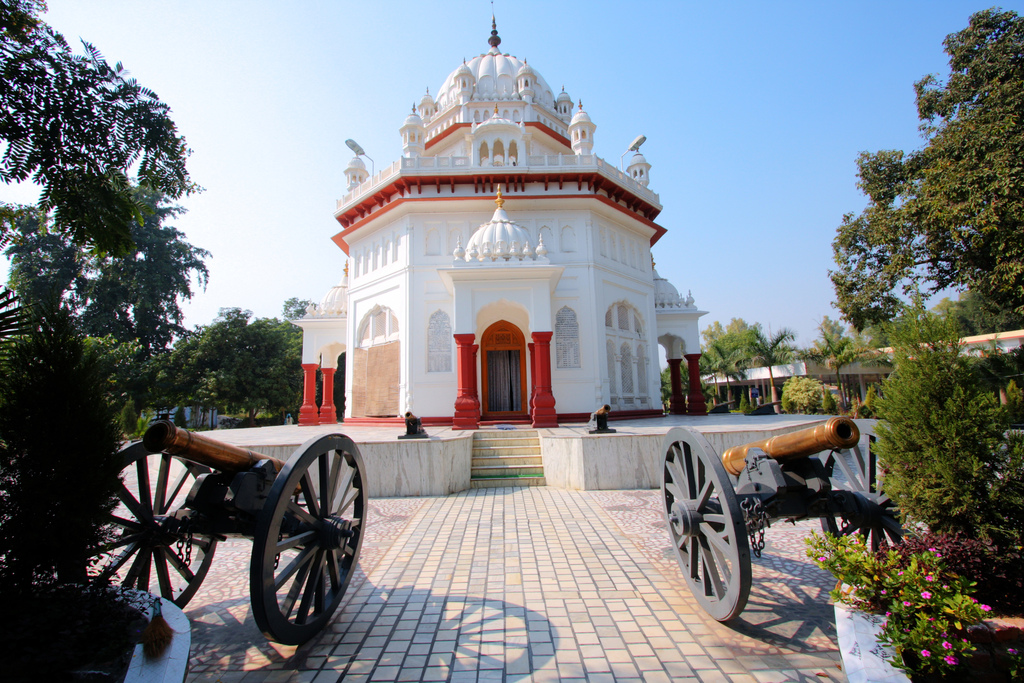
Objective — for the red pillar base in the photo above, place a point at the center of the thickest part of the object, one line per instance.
(467, 405)
(677, 402)
(328, 414)
(307, 413)
(543, 400)
(696, 404)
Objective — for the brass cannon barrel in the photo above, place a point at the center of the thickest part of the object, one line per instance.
(163, 436)
(836, 432)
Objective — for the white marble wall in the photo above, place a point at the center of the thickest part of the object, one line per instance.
(623, 461)
(408, 467)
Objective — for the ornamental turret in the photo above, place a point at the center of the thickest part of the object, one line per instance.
(581, 132)
(413, 135)
(639, 170)
(428, 107)
(526, 78)
(355, 173)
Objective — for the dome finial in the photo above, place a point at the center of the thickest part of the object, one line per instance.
(413, 107)
(494, 41)
(346, 267)
(581, 105)
(495, 108)
(498, 200)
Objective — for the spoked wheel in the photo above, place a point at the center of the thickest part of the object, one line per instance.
(307, 540)
(705, 524)
(855, 472)
(152, 550)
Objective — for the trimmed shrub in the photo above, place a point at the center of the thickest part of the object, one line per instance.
(801, 395)
(828, 403)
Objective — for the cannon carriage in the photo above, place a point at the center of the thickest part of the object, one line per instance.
(717, 509)
(182, 493)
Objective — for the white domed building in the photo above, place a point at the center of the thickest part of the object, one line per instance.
(539, 309)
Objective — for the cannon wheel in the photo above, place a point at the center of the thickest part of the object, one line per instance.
(148, 553)
(307, 539)
(705, 524)
(856, 471)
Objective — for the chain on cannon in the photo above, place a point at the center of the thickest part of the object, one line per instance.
(182, 493)
(717, 509)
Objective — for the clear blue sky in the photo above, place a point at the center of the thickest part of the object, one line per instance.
(754, 112)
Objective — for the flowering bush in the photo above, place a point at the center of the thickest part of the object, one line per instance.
(927, 607)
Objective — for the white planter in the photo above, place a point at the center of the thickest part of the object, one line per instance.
(864, 658)
(172, 665)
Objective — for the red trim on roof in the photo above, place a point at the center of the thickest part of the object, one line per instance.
(448, 131)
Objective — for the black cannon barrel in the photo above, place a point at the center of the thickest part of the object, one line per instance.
(836, 432)
(163, 436)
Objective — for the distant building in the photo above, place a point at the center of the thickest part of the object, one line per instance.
(500, 271)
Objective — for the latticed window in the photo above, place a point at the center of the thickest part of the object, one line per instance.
(380, 321)
(623, 317)
(378, 327)
(567, 339)
(608, 317)
(641, 370)
(611, 366)
(439, 343)
(627, 369)
(638, 325)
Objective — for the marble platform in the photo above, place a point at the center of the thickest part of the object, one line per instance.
(573, 459)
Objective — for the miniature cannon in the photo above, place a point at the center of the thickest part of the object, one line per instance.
(717, 510)
(304, 516)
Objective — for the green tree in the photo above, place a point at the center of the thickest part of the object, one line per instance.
(976, 315)
(236, 363)
(720, 358)
(77, 127)
(135, 297)
(294, 308)
(828, 402)
(835, 350)
(771, 349)
(952, 213)
(948, 460)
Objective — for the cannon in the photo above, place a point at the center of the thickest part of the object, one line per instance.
(183, 492)
(717, 509)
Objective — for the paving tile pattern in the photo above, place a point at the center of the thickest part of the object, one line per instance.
(527, 584)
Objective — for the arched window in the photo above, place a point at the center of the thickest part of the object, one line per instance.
(608, 318)
(623, 317)
(484, 154)
(439, 343)
(567, 339)
(641, 371)
(639, 326)
(610, 350)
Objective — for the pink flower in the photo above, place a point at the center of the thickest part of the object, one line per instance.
(822, 558)
(906, 603)
(926, 595)
(888, 614)
(884, 592)
(933, 550)
(947, 645)
(929, 578)
(951, 660)
(1011, 650)
(986, 608)
(925, 653)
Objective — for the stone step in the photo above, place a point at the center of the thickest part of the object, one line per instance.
(485, 471)
(510, 440)
(499, 482)
(505, 450)
(507, 460)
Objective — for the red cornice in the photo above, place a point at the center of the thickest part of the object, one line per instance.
(448, 131)
(484, 183)
(339, 238)
(551, 133)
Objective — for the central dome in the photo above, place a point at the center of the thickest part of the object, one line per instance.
(499, 239)
(493, 75)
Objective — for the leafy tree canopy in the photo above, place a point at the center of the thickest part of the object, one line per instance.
(78, 127)
(974, 314)
(294, 308)
(133, 298)
(952, 213)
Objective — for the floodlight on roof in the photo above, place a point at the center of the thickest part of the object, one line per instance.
(354, 146)
(633, 147)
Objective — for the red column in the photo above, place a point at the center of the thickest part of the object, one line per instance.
(467, 405)
(697, 404)
(328, 415)
(307, 413)
(543, 400)
(677, 403)
(533, 376)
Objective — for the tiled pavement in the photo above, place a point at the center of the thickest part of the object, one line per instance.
(527, 584)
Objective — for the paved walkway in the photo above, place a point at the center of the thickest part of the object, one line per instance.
(531, 584)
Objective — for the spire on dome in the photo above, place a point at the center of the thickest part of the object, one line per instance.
(494, 41)
(498, 200)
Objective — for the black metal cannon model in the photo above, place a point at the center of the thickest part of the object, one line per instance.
(716, 510)
(182, 492)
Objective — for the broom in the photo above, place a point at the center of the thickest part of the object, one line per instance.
(158, 634)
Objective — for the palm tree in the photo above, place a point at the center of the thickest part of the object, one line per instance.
(835, 351)
(771, 349)
(727, 360)
(12, 317)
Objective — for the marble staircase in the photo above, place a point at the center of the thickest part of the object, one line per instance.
(506, 458)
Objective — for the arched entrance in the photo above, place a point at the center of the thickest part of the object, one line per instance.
(503, 366)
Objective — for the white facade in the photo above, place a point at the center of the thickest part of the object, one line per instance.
(566, 251)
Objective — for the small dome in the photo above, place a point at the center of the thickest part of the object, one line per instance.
(355, 164)
(564, 97)
(665, 294)
(427, 100)
(335, 301)
(638, 158)
(463, 70)
(525, 70)
(413, 119)
(499, 239)
(580, 116)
